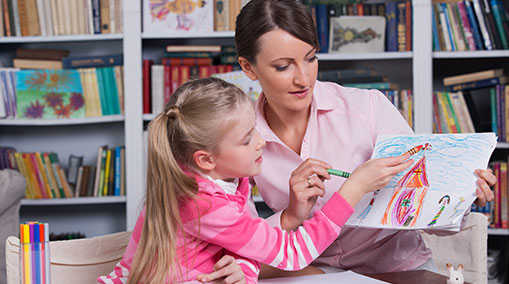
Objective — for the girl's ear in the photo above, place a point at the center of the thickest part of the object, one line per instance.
(204, 160)
(247, 67)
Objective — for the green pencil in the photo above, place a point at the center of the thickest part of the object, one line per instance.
(339, 173)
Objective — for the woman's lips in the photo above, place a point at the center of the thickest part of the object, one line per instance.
(300, 94)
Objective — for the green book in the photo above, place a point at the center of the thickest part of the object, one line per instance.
(102, 95)
(54, 162)
(112, 90)
(497, 14)
(493, 108)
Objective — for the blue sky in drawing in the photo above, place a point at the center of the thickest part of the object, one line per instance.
(451, 161)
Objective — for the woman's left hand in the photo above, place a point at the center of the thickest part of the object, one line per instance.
(226, 271)
(483, 191)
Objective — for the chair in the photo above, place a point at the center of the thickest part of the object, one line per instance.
(468, 247)
(81, 260)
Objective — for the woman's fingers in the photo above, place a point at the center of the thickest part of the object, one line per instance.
(396, 160)
(312, 166)
(487, 175)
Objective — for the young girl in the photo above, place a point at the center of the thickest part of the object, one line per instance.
(201, 150)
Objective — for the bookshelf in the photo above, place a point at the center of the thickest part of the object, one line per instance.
(414, 68)
(74, 201)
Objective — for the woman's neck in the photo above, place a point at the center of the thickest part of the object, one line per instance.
(289, 126)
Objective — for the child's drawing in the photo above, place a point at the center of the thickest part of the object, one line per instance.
(178, 16)
(423, 196)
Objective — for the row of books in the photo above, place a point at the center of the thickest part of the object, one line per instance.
(60, 59)
(44, 176)
(451, 114)
(106, 178)
(60, 17)
(398, 20)
(53, 94)
(470, 25)
(476, 102)
(180, 64)
(498, 209)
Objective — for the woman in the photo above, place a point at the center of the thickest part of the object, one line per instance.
(311, 126)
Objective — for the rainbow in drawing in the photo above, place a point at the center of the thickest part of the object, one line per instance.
(406, 202)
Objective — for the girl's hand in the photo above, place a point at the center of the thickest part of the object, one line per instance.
(372, 175)
(226, 271)
(483, 191)
(306, 184)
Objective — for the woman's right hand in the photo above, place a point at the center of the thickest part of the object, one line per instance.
(306, 184)
(373, 175)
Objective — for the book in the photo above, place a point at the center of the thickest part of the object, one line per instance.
(379, 85)
(193, 48)
(93, 61)
(470, 77)
(147, 104)
(42, 53)
(221, 15)
(160, 16)
(36, 64)
(478, 84)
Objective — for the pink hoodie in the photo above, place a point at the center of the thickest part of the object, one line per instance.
(217, 224)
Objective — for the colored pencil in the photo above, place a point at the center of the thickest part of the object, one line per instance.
(339, 173)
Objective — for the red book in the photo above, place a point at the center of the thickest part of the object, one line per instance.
(187, 61)
(408, 26)
(360, 9)
(167, 83)
(146, 85)
(229, 68)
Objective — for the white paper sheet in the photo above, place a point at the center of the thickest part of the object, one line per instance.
(436, 191)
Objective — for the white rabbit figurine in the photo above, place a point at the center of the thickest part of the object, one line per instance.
(455, 275)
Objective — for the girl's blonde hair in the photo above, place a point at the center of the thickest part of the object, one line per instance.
(196, 118)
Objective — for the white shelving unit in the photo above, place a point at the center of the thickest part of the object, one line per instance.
(417, 73)
(74, 201)
(498, 232)
(72, 121)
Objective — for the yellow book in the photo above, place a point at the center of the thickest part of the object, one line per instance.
(86, 94)
(94, 87)
(21, 166)
(42, 172)
(32, 175)
(107, 172)
(445, 112)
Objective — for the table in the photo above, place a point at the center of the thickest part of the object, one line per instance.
(411, 277)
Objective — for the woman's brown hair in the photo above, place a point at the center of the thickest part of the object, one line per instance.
(258, 17)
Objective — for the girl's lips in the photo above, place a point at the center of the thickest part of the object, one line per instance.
(300, 94)
(259, 160)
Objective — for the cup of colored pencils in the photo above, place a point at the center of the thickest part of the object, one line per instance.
(34, 253)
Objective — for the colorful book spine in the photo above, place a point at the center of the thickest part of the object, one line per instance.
(474, 25)
(488, 44)
(498, 16)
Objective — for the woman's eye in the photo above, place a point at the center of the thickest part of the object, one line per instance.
(313, 58)
(281, 68)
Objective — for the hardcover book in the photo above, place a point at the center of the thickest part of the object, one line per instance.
(49, 94)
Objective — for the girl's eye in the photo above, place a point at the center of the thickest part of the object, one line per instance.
(247, 141)
(313, 58)
(281, 68)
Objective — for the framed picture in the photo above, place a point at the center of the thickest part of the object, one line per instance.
(164, 16)
(357, 34)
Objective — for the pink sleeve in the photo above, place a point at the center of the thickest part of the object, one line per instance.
(120, 273)
(386, 117)
(222, 223)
